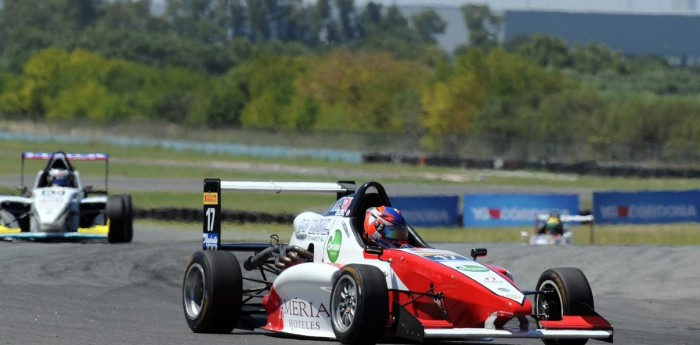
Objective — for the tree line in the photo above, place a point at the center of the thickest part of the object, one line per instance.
(331, 66)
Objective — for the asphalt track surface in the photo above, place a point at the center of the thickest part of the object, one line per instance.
(97, 293)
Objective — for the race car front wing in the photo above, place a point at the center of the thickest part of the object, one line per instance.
(570, 327)
(481, 333)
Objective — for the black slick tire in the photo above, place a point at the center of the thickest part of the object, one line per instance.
(117, 213)
(359, 305)
(567, 293)
(212, 292)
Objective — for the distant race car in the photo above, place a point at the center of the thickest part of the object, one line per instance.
(537, 239)
(60, 207)
(330, 282)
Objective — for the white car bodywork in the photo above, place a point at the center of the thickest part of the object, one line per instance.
(49, 211)
(57, 209)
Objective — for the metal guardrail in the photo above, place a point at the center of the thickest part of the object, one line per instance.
(337, 155)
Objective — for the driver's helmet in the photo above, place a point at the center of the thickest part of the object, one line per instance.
(385, 222)
(553, 222)
(59, 177)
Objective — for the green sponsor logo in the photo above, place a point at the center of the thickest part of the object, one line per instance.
(469, 268)
(333, 247)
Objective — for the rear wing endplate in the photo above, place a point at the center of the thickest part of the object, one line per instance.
(211, 200)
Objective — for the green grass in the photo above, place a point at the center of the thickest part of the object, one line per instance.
(157, 163)
(162, 163)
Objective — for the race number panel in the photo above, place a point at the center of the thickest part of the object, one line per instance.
(211, 199)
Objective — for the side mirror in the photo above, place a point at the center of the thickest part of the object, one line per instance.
(374, 250)
(477, 252)
(22, 189)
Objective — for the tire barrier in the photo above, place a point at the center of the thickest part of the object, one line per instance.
(608, 169)
(196, 215)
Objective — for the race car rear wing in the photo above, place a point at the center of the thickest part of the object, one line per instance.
(66, 158)
(211, 237)
(568, 217)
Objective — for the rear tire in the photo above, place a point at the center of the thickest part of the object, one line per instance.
(571, 295)
(121, 219)
(359, 305)
(212, 292)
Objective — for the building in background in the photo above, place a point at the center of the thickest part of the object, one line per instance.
(591, 6)
(669, 35)
(663, 28)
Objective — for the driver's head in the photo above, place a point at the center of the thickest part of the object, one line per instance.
(385, 222)
(59, 177)
(554, 217)
(553, 221)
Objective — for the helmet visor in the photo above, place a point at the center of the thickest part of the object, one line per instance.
(395, 233)
(60, 181)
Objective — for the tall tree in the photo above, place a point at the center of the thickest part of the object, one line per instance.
(199, 19)
(393, 20)
(193, 9)
(395, 35)
(362, 92)
(126, 15)
(290, 21)
(371, 19)
(547, 50)
(452, 105)
(324, 27)
(238, 20)
(85, 12)
(347, 18)
(483, 26)
(594, 58)
(259, 21)
(428, 24)
(28, 26)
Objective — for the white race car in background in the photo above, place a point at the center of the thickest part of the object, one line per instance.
(536, 239)
(68, 211)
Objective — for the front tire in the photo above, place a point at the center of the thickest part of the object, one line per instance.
(359, 305)
(8, 220)
(567, 292)
(121, 219)
(130, 216)
(212, 292)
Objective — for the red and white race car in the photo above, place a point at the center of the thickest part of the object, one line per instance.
(328, 282)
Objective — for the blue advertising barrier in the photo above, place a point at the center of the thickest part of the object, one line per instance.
(509, 210)
(429, 211)
(646, 207)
